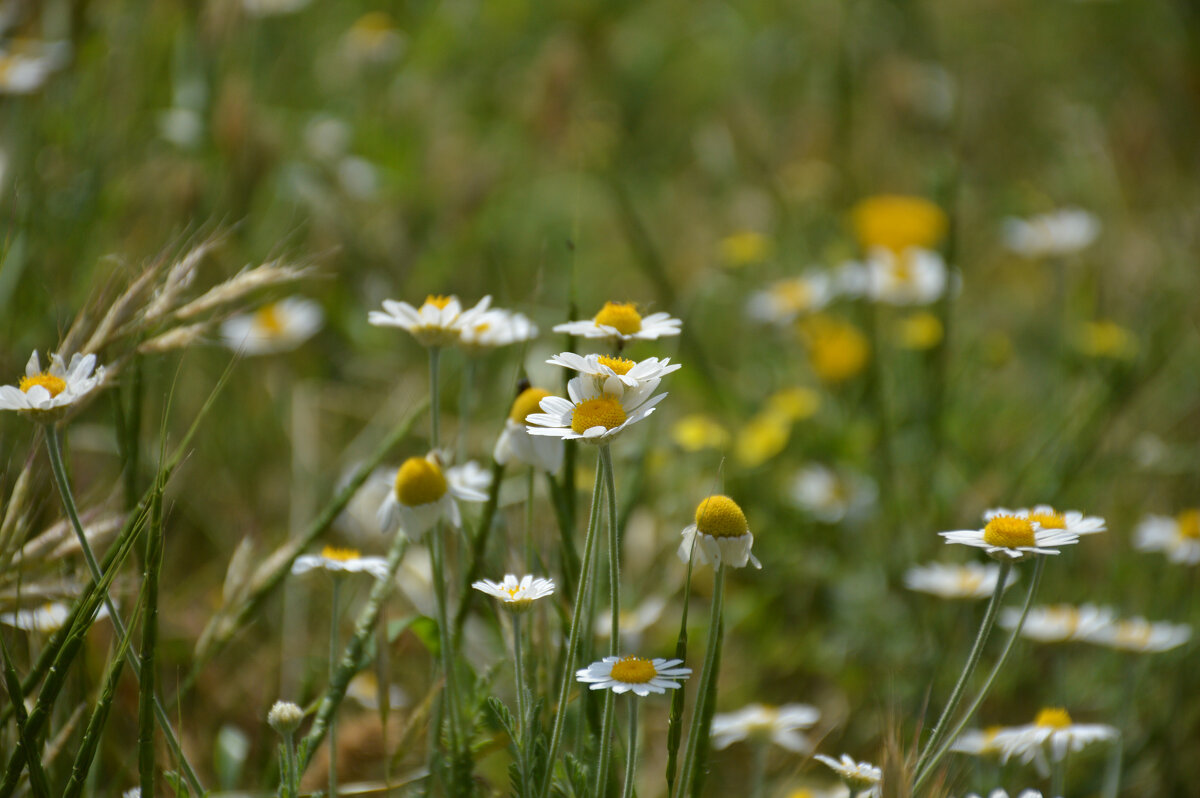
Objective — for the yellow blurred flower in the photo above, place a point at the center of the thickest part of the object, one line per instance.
(897, 223)
(795, 404)
(1106, 339)
(763, 437)
(837, 350)
(919, 331)
(745, 247)
(696, 432)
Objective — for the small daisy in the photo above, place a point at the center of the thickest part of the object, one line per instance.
(602, 368)
(999, 793)
(25, 66)
(756, 722)
(341, 561)
(593, 414)
(423, 493)
(622, 322)
(277, 327)
(517, 596)
(1052, 733)
(516, 444)
(978, 742)
(951, 581)
(1012, 537)
(863, 778)
(46, 395)
(495, 328)
(720, 535)
(47, 618)
(1062, 232)
(784, 301)
(439, 321)
(910, 277)
(1140, 635)
(1060, 623)
(831, 497)
(634, 623)
(634, 674)
(1048, 518)
(1179, 537)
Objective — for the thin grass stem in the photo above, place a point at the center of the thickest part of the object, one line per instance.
(146, 723)
(614, 597)
(706, 677)
(631, 753)
(333, 653)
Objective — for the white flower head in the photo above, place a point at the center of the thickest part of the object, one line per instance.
(517, 595)
(495, 328)
(1140, 635)
(1052, 734)
(603, 368)
(860, 777)
(634, 674)
(594, 414)
(633, 623)
(1000, 793)
(341, 561)
(25, 66)
(515, 444)
(622, 322)
(46, 619)
(951, 581)
(784, 301)
(422, 494)
(720, 535)
(830, 496)
(779, 725)
(276, 327)
(1179, 537)
(46, 395)
(1060, 623)
(912, 277)
(1008, 536)
(978, 742)
(1062, 232)
(439, 321)
(1048, 518)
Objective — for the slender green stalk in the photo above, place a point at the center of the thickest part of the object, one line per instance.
(758, 770)
(614, 597)
(529, 521)
(333, 658)
(700, 765)
(590, 548)
(632, 752)
(706, 677)
(449, 671)
(38, 784)
(464, 407)
(675, 724)
(519, 675)
(291, 787)
(1058, 776)
(985, 628)
(478, 549)
(435, 356)
(154, 555)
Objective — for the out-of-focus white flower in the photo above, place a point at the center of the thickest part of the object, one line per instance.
(832, 497)
(495, 328)
(864, 779)
(373, 39)
(358, 177)
(785, 300)
(1061, 232)
(1060, 623)
(594, 414)
(912, 277)
(339, 561)
(46, 619)
(1179, 537)
(46, 395)
(1052, 734)
(364, 688)
(978, 742)
(1000, 793)
(183, 127)
(603, 368)
(758, 722)
(1140, 635)
(273, 8)
(634, 623)
(327, 138)
(25, 65)
(516, 444)
(622, 322)
(277, 327)
(720, 535)
(634, 675)
(952, 581)
(439, 321)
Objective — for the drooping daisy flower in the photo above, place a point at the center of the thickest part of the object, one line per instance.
(516, 444)
(277, 327)
(46, 395)
(1060, 623)
(897, 223)
(1048, 518)
(757, 722)
(421, 494)
(720, 535)
(495, 328)
(633, 623)
(516, 595)
(1179, 537)
(863, 778)
(46, 619)
(1140, 635)
(439, 321)
(1061, 232)
(634, 674)
(622, 322)
(1052, 734)
(1012, 537)
(594, 414)
(602, 368)
(951, 581)
(341, 561)
(830, 496)
(784, 301)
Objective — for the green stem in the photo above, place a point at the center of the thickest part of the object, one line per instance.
(529, 521)
(435, 355)
(154, 554)
(631, 754)
(478, 548)
(706, 677)
(333, 654)
(675, 724)
(1058, 777)
(614, 598)
(519, 673)
(758, 770)
(450, 691)
(290, 777)
(464, 408)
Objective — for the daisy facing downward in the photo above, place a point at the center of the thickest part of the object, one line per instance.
(594, 414)
(422, 494)
(721, 535)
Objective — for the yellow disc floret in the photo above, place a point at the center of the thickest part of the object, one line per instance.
(438, 301)
(720, 517)
(53, 385)
(340, 555)
(1188, 520)
(620, 365)
(268, 319)
(1049, 520)
(634, 670)
(419, 481)
(1053, 718)
(622, 316)
(602, 412)
(528, 401)
(1009, 531)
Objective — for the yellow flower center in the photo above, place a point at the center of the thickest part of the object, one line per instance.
(621, 315)
(793, 294)
(1008, 531)
(1050, 520)
(720, 517)
(1053, 718)
(969, 581)
(1189, 524)
(897, 223)
(620, 365)
(269, 319)
(419, 481)
(602, 412)
(634, 670)
(438, 301)
(1133, 634)
(53, 385)
(528, 401)
(802, 793)
(340, 555)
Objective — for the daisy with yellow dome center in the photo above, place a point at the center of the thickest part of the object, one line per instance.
(439, 321)
(720, 535)
(516, 595)
(277, 327)
(339, 561)
(759, 723)
(595, 414)
(1178, 537)
(863, 778)
(1051, 736)
(634, 675)
(515, 444)
(622, 322)
(46, 395)
(1011, 537)
(952, 581)
(604, 369)
(423, 493)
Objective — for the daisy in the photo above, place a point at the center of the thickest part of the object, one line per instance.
(778, 725)
(25, 66)
(594, 414)
(634, 674)
(622, 322)
(785, 300)
(47, 618)
(951, 581)
(831, 497)
(720, 534)
(46, 395)
(1061, 232)
(516, 444)
(908, 277)
(999, 793)
(1052, 733)
(862, 778)
(1012, 537)
(422, 494)
(373, 39)
(602, 368)
(1061, 623)
(978, 742)
(897, 222)
(277, 327)
(517, 596)
(1140, 635)
(633, 623)
(1179, 537)
(495, 328)
(1048, 518)
(439, 321)
(341, 561)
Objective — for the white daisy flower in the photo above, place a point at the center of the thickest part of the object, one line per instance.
(952, 581)
(1062, 232)
(277, 327)
(25, 66)
(439, 321)
(136, 792)
(1048, 518)
(999, 793)
(602, 368)
(1011, 537)
(470, 478)
(720, 535)
(831, 497)
(1051, 734)
(495, 328)
(422, 494)
(622, 322)
(782, 302)
(46, 619)
(863, 778)
(517, 595)
(1179, 537)
(914, 277)
(634, 674)
(341, 561)
(978, 742)
(46, 395)
(594, 414)
(757, 722)
(516, 444)
(634, 623)
(1140, 635)
(1060, 623)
